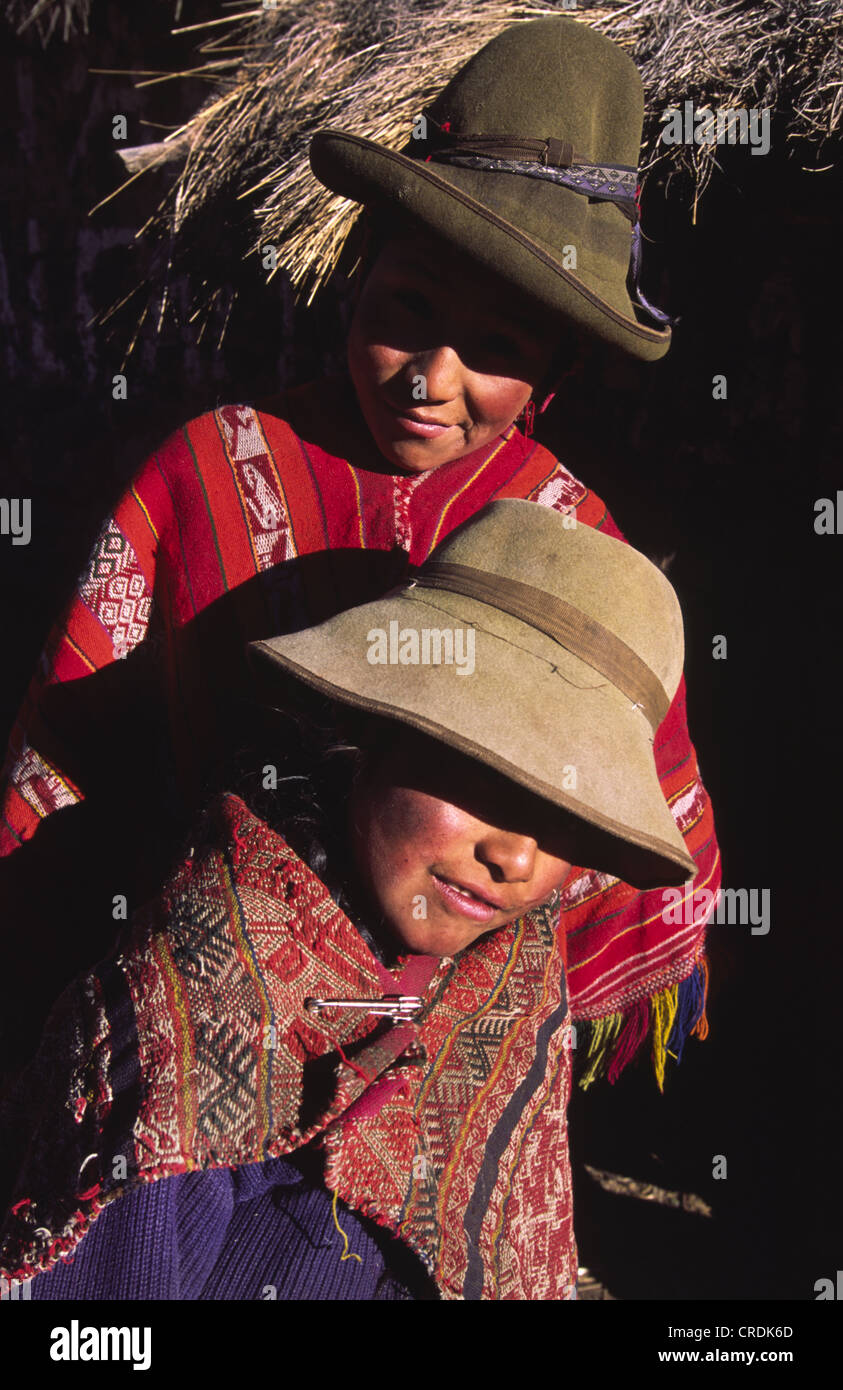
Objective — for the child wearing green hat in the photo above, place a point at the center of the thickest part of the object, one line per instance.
(252, 522)
(366, 999)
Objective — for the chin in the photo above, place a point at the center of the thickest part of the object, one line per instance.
(414, 458)
(423, 939)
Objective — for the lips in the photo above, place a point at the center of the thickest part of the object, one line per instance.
(470, 902)
(417, 423)
(424, 419)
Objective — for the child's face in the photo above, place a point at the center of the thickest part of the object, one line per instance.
(427, 824)
(435, 335)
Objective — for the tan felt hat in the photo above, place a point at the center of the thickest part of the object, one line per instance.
(540, 647)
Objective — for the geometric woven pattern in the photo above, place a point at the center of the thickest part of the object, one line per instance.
(193, 1050)
(561, 491)
(115, 590)
(39, 785)
(246, 448)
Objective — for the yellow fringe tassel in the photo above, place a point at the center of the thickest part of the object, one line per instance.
(700, 1030)
(663, 1011)
(347, 1254)
(603, 1034)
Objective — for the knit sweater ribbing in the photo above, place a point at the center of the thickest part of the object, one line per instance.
(258, 1232)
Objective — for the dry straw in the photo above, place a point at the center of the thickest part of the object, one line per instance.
(278, 74)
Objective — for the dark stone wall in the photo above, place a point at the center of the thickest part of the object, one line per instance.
(725, 487)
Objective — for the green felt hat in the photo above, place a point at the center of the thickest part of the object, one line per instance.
(530, 153)
(549, 653)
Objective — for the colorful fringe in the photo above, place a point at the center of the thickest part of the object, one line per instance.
(670, 1016)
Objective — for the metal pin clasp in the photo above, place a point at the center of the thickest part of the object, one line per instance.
(395, 1006)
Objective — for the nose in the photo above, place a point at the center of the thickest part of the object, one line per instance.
(509, 857)
(441, 369)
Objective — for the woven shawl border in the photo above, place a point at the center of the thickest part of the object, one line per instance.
(441, 1061)
(489, 1176)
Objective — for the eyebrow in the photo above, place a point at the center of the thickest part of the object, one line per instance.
(411, 260)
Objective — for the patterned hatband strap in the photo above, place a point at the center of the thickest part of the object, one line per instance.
(568, 625)
(611, 183)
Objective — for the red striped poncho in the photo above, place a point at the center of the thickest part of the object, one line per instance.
(249, 522)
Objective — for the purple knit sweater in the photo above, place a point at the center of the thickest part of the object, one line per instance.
(262, 1231)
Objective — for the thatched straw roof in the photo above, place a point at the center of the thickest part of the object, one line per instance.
(279, 74)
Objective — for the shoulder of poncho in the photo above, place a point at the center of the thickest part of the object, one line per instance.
(227, 828)
(564, 491)
(222, 416)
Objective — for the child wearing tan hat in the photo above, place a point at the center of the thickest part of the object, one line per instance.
(251, 522)
(378, 1016)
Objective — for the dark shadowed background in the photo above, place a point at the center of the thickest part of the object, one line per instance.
(727, 488)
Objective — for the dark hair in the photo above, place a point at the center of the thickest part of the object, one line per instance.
(297, 771)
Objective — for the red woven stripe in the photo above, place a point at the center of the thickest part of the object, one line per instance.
(217, 533)
(19, 821)
(87, 646)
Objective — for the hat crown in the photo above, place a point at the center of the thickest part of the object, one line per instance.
(549, 78)
(604, 578)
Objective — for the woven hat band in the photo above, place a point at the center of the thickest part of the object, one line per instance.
(573, 629)
(545, 150)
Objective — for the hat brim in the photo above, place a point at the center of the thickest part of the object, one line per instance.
(532, 711)
(438, 197)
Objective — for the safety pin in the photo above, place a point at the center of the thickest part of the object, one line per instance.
(390, 1006)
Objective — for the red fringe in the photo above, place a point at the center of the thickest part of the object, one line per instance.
(632, 1036)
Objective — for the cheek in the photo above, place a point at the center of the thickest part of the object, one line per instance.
(413, 829)
(369, 360)
(502, 398)
(401, 834)
(370, 318)
(551, 874)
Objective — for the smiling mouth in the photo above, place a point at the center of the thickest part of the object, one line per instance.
(419, 423)
(465, 901)
(424, 428)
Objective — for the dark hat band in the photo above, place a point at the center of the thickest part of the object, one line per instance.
(574, 630)
(523, 147)
(611, 183)
(537, 157)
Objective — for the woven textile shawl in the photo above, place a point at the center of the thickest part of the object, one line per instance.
(191, 1049)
